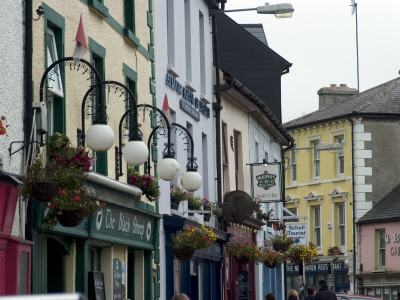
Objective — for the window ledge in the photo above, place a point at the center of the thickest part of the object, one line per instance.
(131, 37)
(171, 70)
(381, 270)
(99, 7)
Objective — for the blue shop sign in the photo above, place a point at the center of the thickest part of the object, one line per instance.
(316, 268)
(189, 103)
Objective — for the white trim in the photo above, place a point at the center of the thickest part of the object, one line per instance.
(114, 184)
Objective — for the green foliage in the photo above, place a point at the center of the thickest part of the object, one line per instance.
(147, 183)
(195, 202)
(178, 193)
(240, 249)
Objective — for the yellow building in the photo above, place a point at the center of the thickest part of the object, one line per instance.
(318, 189)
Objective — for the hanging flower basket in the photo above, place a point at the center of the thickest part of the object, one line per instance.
(175, 203)
(183, 253)
(44, 191)
(278, 246)
(271, 264)
(70, 218)
(244, 260)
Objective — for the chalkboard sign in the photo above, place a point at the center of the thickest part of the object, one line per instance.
(118, 289)
(243, 285)
(96, 286)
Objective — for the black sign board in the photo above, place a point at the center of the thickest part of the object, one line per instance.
(96, 286)
(243, 285)
(118, 290)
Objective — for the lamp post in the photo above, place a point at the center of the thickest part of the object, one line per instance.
(191, 179)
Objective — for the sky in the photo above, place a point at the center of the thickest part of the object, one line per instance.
(320, 41)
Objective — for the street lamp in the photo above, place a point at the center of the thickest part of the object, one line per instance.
(282, 10)
(191, 179)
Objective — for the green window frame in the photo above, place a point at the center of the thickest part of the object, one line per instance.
(129, 14)
(54, 23)
(97, 58)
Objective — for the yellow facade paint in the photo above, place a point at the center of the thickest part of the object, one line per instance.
(328, 190)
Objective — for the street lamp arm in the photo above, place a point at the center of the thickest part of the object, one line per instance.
(279, 10)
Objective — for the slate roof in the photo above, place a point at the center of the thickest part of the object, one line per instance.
(388, 209)
(257, 30)
(381, 100)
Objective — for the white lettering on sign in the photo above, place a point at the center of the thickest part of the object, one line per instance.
(110, 221)
(124, 223)
(138, 228)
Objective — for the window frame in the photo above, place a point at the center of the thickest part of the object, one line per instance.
(316, 158)
(59, 89)
(340, 156)
(293, 166)
(380, 251)
(341, 224)
(317, 225)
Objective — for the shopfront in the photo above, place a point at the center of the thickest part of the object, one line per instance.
(333, 271)
(110, 254)
(15, 252)
(200, 277)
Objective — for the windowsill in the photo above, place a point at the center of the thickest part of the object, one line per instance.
(204, 99)
(189, 86)
(294, 185)
(171, 70)
(99, 7)
(131, 37)
(380, 270)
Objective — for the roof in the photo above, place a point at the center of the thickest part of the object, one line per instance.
(257, 30)
(251, 61)
(381, 100)
(388, 209)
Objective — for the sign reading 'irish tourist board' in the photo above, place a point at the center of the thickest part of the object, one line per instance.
(267, 182)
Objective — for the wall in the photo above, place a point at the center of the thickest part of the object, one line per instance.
(368, 248)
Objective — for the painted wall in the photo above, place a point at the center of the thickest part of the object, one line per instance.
(329, 189)
(12, 92)
(176, 49)
(368, 246)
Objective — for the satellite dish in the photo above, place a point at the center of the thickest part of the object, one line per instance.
(353, 6)
(238, 206)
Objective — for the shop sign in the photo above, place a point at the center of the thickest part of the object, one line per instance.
(122, 223)
(393, 238)
(118, 288)
(297, 231)
(267, 182)
(189, 103)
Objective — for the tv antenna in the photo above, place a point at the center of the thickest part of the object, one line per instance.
(354, 10)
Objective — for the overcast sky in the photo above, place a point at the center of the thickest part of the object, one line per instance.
(320, 41)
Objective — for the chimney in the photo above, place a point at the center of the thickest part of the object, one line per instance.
(334, 94)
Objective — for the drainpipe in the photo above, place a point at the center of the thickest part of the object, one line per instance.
(354, 203)
(28, 118)
(217, 109)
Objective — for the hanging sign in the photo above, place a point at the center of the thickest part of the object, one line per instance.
(267, 183)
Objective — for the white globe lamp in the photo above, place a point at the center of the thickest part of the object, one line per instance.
(135, 153)
(191, 181)
(168, 169)
(99, 137)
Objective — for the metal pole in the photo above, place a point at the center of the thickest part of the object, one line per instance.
(358, 71)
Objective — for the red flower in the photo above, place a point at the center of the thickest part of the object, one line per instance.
(246, 254)
(63, 192)
(191, 227)
(196, 243)
(203, 237)
(78, 198)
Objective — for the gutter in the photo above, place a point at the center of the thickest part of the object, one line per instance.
(354, 202)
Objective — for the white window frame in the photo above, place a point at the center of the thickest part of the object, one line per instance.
(293, 166)
(341, 221)
(54, 76)
(340, 156)
(317, 226)
(315, 160)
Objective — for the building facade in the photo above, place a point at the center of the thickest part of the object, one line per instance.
(15, 248)
(119, 242)
(379, 249)
(184, 80)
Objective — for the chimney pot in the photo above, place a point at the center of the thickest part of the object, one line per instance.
(333, 84)
(343, 85)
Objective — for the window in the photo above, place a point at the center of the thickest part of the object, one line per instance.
(98, 53)
(54, 76)
(293, 166)
(340, 156)
(341, 225)
(380, 247)
(224, 146)
(205, 165)
(266, 156)
(237, 158)
(202, 54)
(315, 155)
(171, 32)
(317, 225)
(129, 10)
(188, 41)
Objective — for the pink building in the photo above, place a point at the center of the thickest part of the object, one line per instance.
(379, 238)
